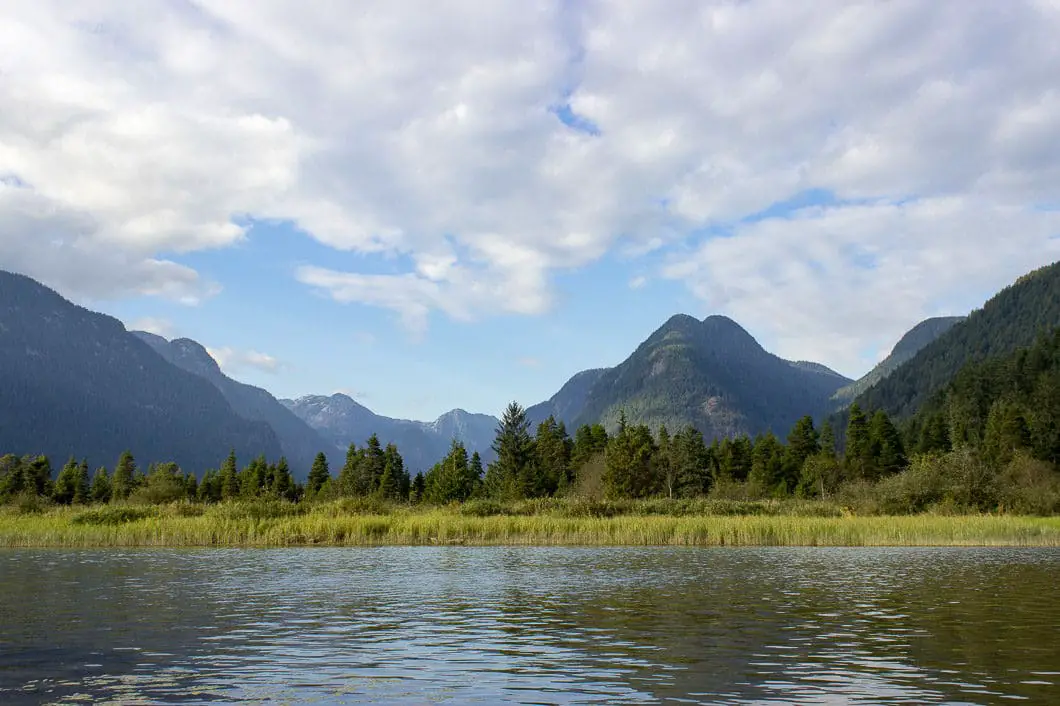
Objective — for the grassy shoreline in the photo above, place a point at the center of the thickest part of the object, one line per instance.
(336, 525)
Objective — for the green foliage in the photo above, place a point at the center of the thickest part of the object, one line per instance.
(452, 479)
(319, 474)
(124, 477)
(100, 490)
(630, 471)
(513, 475)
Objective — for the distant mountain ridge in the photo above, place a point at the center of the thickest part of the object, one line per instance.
(341, 420)
(911, 343)
(299, 442)
(712, 374)
(75, 382)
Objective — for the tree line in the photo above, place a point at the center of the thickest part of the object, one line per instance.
(984, 429)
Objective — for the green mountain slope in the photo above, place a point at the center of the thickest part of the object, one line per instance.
(711, 374)
(908, 346)
(1012, 319)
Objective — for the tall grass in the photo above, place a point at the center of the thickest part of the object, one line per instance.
(699, 523)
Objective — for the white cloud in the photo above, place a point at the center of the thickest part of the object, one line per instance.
(159, 327)
(638, 282)
(234, 361)
(132, 133)
(529, 362)
(830, 281)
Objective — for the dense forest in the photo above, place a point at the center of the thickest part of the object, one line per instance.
(989, 441)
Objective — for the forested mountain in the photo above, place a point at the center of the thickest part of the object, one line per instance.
(73, 381)
(908, 346)
(1012, 319)
(1001, 405)
(711, 374)
(299, 442)
(568, 403)
(342, 420)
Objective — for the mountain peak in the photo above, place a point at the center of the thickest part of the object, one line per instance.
(923, 333)
(193, 356)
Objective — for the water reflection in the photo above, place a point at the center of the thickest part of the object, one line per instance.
(547, 625)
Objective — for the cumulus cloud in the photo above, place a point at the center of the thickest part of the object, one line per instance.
(495, 143)
(234, 361)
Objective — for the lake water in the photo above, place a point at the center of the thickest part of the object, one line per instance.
(531, 625)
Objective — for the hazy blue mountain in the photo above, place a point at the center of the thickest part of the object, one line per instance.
(299, 442)
(342, 420)
(568, 403)
(75, 382)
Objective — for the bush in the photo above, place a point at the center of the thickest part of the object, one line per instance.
(1028, 486)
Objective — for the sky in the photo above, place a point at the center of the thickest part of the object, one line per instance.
(440, 204)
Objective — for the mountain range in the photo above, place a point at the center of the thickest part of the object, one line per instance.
(341, 419)
(73, 381)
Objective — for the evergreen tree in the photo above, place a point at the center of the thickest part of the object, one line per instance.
(803, 442)
(191, 487)
(507, 476)
(629, 471)
(394, 485)
(552, 459)
(589, 441)
(318, 475)
(419, 484)
(475, 468)
(858, 455)
(828, 446)
(12, 476)
(283, 482)
(100, 490)
(38, 474)
(66, 483)
(229, 477)
(124, 477)
(451, 478)
(371, 467)
(768, 471)
(735, 458)
(210, 487)
(689, 464)
(1007, 431)
(934, 435)
(350, 475)
(887, 450)
(82, 488)
(252, 479)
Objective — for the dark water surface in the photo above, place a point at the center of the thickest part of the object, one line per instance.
(531, 625)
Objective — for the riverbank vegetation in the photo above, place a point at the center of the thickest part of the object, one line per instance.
(638, 523)
(988, 444)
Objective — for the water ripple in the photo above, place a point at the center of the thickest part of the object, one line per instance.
(530, 625)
